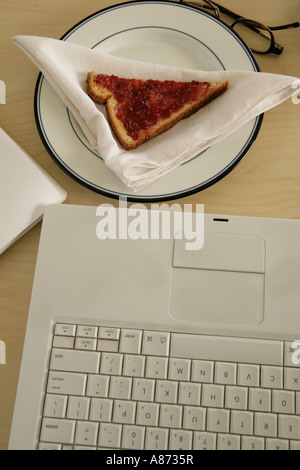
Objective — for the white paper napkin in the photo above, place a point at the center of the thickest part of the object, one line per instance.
(25, 191)
(65, 65)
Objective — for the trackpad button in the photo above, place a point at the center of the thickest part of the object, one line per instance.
(213, 296)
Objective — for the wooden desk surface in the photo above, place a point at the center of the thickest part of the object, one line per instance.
(266, 183)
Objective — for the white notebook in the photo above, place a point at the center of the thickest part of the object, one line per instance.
(186, 307)
(25, 191)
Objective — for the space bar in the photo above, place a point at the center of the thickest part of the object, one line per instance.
(220, 348)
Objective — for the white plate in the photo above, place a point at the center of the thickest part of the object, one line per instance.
(154, 31)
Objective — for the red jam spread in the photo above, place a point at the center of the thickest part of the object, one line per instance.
(142, 103)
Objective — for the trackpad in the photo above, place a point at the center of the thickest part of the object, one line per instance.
(221, 283)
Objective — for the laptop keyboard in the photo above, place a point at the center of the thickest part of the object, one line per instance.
(120, 388)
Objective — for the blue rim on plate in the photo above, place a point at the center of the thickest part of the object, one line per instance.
(116, 189)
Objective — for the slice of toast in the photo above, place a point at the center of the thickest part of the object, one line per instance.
(139, 110)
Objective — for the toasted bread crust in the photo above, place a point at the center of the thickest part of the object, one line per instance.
(102, 95)
(99, 95)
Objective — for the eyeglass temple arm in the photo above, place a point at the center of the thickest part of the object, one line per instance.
(285, 26)
(277, 48)
(235, 16)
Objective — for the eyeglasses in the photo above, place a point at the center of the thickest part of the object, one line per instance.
(260, 38)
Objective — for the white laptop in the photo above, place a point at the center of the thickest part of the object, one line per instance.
(145, 344)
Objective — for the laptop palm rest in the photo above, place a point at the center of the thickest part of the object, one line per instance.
(221, 283)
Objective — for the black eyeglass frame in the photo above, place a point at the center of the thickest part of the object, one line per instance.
(256, 26)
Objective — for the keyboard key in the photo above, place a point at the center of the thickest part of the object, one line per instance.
(65, 329)
(166, 391)
(45, 446)
(156, 439)
(86, 433)
(213, 395)
(205, 441)
(298, 403)
(283, 401)
(236, 398)
(213, 348)
(189, 393)
(252, 443)
(133, 437)
(295, 445)
(241, 422)
(277, 444)
(265, 424)
(97, 385)
(225, 373)
(131, 341)
(75, 361)
(259, 399)
(58, 430)
(292, 379)
(248, 375)
(202, 371)
(143, 389)
(86, 448)
(170, 416)
(107, 345)
(218, 420)
(194, 418)
(66, 383)
(120, 387)
(134, 366)
(110, 435)
(78, 408)
(111, 364)
(101, 409)
(228, 442)
(179, 369)
(291, 352)
(124, 412)
(63, 342)
(271, 377)
(87, 331)
(55, 406)
(289, 427)
(109, 333)
(147, 414)
(156, 343)
(87, 344)
(157, 367)
(180, 440)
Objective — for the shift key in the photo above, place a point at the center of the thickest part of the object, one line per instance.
(75, 361)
